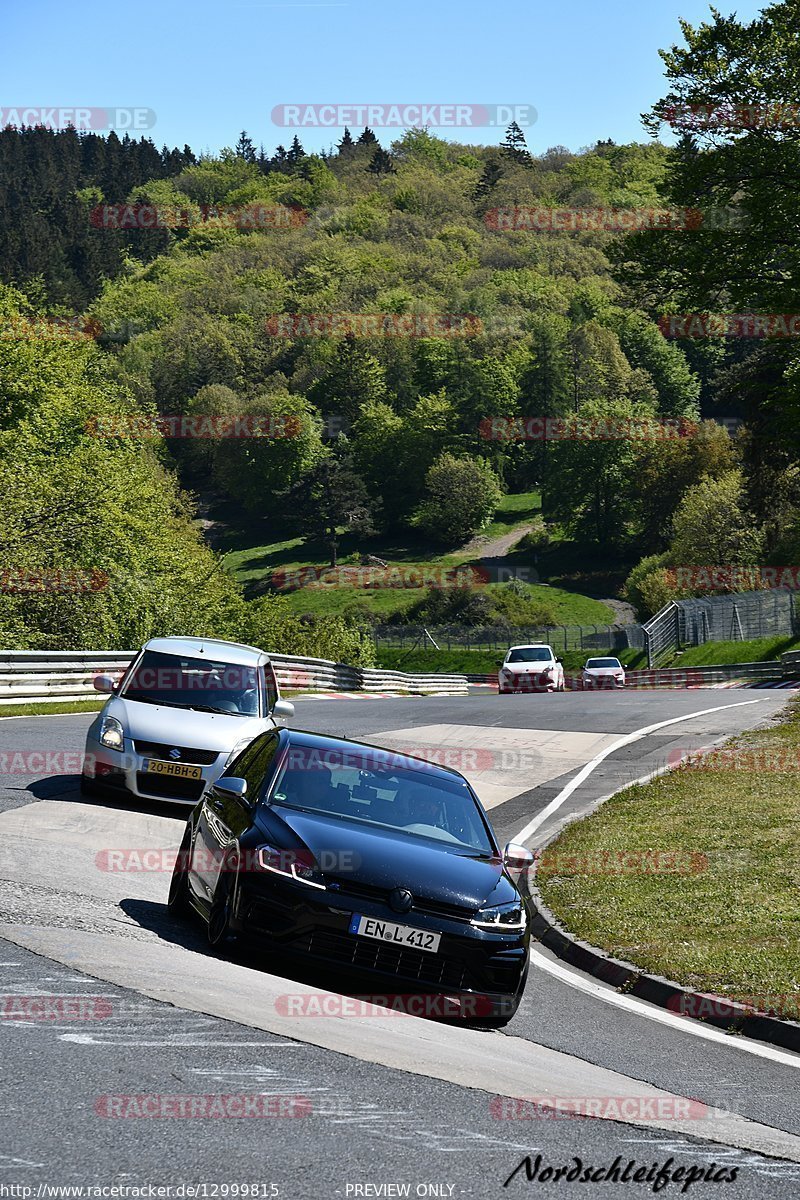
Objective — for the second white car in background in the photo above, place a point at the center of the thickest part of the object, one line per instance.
(603, 673)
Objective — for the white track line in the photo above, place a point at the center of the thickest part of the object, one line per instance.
(586, 771)
(642, 1009)
(599, 991)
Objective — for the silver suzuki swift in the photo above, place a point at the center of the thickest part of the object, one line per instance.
(182, 711)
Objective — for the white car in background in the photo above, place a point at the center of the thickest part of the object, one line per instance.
(182, 711)
(530, 669)
(602, 673)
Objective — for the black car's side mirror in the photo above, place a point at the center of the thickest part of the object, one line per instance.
(233, 786)
(516, 857)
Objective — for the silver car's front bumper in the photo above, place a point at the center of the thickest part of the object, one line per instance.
(125, 771)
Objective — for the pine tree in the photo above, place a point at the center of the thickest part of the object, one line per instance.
(346, 145)
(492, 174)
(367, 138)
(381, 163)
(245, 148)
(515, 145)
(295, 153)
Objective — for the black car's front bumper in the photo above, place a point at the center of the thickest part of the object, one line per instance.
(295, 919)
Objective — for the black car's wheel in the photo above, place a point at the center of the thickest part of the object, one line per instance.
(501, 1013)
(219, 918)
(178, 898)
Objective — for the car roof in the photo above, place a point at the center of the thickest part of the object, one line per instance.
(326, 742)
(532, 646)
(214, 648)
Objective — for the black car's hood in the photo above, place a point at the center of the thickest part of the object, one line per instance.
(385, 859)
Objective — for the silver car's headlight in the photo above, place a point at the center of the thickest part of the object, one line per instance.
(502, 917)
(112, 735)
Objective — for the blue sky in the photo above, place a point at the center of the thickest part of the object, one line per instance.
(209, 69)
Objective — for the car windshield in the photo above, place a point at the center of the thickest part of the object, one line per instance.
(530, 654)
(591, 663)
(384, 789)
(202, 684)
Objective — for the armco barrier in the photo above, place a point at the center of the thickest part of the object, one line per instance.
(49, 676)
(690, 677)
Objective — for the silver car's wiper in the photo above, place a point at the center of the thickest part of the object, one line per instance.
(223, 712)
(149, 700)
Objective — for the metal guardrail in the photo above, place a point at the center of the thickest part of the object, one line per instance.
(690, 676)
(47, 677)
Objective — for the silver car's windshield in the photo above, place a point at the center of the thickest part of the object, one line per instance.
(197, 683)
(592, 663)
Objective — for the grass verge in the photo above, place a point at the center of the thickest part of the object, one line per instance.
(715, 905)
(54, 709)
(714, 653)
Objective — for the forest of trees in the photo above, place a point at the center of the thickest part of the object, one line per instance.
(201, 317)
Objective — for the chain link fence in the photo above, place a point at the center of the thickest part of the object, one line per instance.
(740, 617)
(500, 637)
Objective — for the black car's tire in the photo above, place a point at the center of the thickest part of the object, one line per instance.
(502, 1012)
(218, 929)
(178, 898)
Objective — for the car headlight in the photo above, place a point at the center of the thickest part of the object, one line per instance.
(237, 749)
(502, 917)
(292, 864)
(112, 735)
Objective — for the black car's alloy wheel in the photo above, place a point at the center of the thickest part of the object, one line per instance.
(219, 918)
(178, 898)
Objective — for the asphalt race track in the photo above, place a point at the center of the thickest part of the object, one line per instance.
(361, 1105)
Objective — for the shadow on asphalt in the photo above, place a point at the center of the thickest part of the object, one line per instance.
(189, 933)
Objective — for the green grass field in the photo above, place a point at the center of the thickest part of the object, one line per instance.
(479, 662)
(722, 914)
(58, 706)
(256, 550)
(719, 653)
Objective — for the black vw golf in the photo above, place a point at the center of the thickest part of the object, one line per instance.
(361, 858)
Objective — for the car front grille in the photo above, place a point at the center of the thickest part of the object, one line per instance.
(371, 955)
(163, 750)
(434, 908)
(170, 787)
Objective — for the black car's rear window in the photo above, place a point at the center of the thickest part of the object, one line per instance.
(385, 789)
